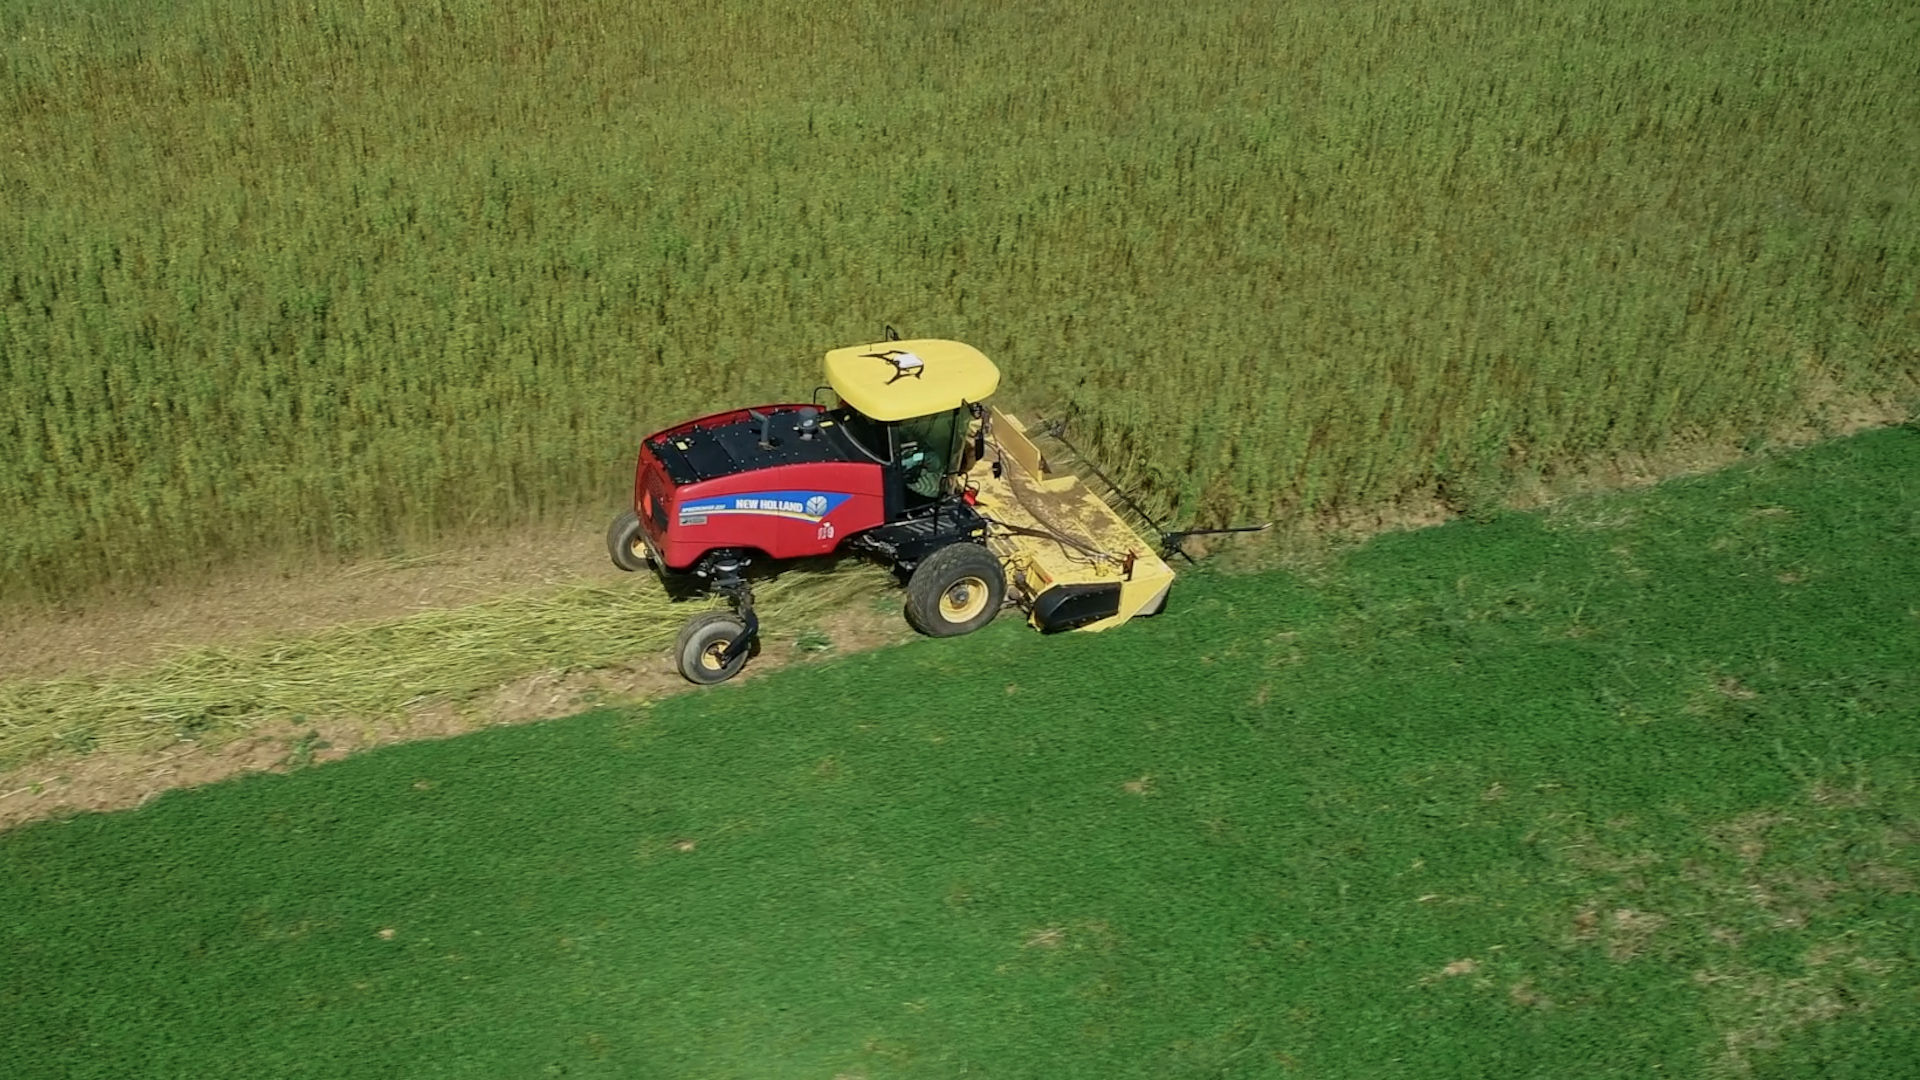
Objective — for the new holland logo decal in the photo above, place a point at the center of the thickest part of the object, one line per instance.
(808, 506)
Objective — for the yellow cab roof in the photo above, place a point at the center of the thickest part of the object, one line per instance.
(899, 380)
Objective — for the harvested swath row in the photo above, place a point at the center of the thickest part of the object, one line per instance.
(375, 670)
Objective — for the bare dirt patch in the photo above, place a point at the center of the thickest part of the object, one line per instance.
(1717, 696)
(1528, 996)
(1756, 1010)
(1628, 931)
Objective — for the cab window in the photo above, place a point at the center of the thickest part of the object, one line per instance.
(928, 448)
(867, 434)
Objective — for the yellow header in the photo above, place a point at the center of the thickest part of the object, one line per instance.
(899, 380)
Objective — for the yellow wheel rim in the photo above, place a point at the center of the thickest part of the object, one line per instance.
(710, 656)
(637, 548)
(963, 600)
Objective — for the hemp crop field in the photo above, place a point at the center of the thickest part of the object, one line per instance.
(331, 276)
(1630, 788)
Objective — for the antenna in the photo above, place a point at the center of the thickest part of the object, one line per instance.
(904, 363)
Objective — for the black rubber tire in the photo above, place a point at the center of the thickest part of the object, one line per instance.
(703, 637)
(629, 551)
(955, 590)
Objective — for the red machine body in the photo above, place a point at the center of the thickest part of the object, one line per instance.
(786, 481)
(896, 471)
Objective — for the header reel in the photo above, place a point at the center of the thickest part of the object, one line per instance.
(1170, 539)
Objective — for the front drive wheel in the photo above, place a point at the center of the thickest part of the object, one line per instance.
(625, 544)
(702, 641)
(955, 591)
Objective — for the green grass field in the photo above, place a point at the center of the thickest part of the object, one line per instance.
(343, 275)
(1629, 788)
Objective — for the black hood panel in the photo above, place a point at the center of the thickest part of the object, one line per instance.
(708, 452)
